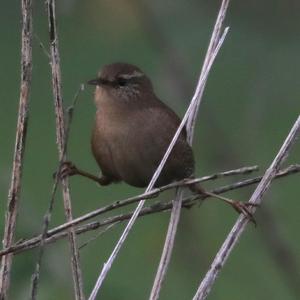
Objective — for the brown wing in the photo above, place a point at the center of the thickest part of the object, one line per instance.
(144, 144)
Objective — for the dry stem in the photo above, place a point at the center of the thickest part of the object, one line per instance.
(213, 48)
(15, 186)
(61, 143)
(239, 227)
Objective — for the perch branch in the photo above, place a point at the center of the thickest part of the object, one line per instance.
(213, 48)
(15, 186)
(59, 231)
(240, 225)
(121, 203)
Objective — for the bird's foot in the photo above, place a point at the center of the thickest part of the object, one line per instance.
(67, 169)
(240, 207)
(243, 208)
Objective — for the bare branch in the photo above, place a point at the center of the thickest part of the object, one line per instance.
(59, 231)
(240, 225)
(209, 58)
(61, 143)
(168, 245)
(213, 48)
(15, 186)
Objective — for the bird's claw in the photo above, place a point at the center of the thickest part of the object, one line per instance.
(243, 208)
(67, 169)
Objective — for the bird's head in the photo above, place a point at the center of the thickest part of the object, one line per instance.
(123, 82)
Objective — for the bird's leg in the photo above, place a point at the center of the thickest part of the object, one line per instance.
(69, 169)
(239, 206)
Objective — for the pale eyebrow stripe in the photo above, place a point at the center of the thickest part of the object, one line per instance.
(135, 74)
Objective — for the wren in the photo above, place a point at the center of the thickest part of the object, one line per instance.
(132, 131)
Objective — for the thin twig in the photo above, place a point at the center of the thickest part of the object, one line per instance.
(97, 235)
(214, 41)
(60, 134)
(47, 216)
(58, 232)
(240, 225)
(168, 245)
(213, 48)
(42, 46)
(15, 186)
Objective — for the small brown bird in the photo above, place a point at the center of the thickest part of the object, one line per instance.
(132, 132)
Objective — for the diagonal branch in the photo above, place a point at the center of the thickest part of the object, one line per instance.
(240, 225)
(212, 51)
(15, 186)
(209, 58)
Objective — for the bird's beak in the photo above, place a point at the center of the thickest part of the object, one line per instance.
(94, 81)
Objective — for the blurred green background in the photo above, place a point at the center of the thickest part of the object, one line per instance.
(250, 103)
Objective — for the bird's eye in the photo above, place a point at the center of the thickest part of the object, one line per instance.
(122, 81)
